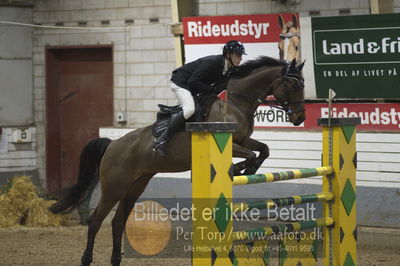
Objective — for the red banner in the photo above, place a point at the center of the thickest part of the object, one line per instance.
(374, 116)
(245, 28)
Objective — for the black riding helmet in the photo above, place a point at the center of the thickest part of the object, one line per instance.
(233, 47)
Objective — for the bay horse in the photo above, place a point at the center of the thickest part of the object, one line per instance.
(126, 165)
(289, 43)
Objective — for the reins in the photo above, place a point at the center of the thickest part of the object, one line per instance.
(282, 105)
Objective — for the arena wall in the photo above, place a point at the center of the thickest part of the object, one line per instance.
(143, 57)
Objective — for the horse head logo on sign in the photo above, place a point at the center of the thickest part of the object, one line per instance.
(289, 44)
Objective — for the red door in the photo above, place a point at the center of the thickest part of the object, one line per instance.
(79, 100)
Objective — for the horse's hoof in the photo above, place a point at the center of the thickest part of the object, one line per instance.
(86, 259)
(235, 173)
(116, 260)
(250, 171)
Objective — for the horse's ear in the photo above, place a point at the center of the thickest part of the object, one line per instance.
(280, 21)
(292, 68)
(295, 21)
(300, 67)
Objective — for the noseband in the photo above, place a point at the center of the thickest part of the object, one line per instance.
(289, 35)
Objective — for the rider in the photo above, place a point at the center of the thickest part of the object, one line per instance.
(198, 78)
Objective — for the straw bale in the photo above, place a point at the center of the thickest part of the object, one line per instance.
(21, 205)
(39, 215)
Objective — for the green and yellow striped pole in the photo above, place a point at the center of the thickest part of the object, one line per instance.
(279, 202)
(211, 193)
(281, 176)
(339, 151)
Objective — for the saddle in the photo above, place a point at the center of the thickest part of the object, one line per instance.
(202, 107)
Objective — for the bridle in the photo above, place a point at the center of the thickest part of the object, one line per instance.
(289, 35)
(284, 104)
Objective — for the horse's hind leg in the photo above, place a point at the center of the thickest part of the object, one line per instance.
(96, 219)
(124, 208)
(118, 225)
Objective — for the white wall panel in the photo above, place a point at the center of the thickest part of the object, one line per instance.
(378, 154)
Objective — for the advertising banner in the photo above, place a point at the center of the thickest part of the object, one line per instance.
(357, 56)
(374, 117)
(260, 34)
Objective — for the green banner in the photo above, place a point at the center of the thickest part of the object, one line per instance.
(357, 56)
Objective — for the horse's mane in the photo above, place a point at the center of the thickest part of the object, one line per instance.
(245, 69)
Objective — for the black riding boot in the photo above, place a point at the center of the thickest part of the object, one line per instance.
(176, 123)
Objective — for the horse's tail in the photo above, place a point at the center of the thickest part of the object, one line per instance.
(73, 196)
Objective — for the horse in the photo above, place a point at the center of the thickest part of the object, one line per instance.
(126, 165)
(289, 43)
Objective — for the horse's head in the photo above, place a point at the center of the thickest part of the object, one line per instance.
(289, 43)
(256, 79)
(288, 89)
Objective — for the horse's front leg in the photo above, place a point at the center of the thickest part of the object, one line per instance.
(262, 148)
(242, 152)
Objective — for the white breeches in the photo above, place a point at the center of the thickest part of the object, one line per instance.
(185, 98)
